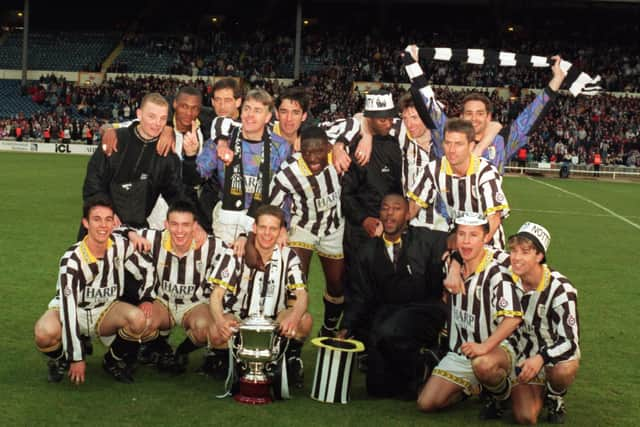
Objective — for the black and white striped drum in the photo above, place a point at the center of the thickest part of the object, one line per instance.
(332, 378)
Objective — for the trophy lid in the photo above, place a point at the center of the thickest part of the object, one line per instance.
(258, 321)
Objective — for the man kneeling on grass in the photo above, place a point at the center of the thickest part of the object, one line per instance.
(481, 317)
(90, 281)
(185, 271)
(269, 290)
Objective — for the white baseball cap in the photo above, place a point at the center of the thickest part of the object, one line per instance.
(539, 235)
(470, 218)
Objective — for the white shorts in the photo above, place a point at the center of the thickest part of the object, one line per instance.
(457, 369)
(327, 246)
(89, 322)
(54, 304)
(178, 311)
(227, 225)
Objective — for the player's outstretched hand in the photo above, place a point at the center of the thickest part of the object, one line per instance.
(167, 142)
(109, 141)
(529, 368)
(224, 153)
(76, 372)
(558, 74)
(341, 160)
(239, 246)
(412, 49)
(191, 144)
(140, 243)
(473, 349)
(372, 226)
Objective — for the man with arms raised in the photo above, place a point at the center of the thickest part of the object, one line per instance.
(499, 148)
(480, 318)
(269, 290)
(90, 282)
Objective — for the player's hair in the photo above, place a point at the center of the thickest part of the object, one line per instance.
(93, 202)
(485, 228)
(270, 210)
(189, 91)
(154, 98)
(182, 206)
(262, 96)
(294, 94)
(475, 96)
(398, 195)
(228, 83)
(521, 240)
(406, 101)
(462, 126)
(312, 133)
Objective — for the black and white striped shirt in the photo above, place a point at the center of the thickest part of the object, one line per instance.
(258, 290)
(490, 295)
(187, 280)
(479, 190)
(347, 131)
(414, 160)
(550, 325)
(88, 283)
(314, 200)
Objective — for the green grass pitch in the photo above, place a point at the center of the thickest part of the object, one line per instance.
(40, 212)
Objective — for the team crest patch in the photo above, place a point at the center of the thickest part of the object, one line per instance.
(67, 291)
(117, 260)
(571, 321)
(499, 197)
(199, 266)
(225, 273)
(502, 303)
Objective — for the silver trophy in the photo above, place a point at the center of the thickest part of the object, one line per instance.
(259, 346)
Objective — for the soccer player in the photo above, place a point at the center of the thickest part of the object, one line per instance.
(308, 184)
(244, 184)
(477, 108)
(479, 319)
(267, 290)
(185, 272)
(227, 98)
(465, 182)
(91, 280)
(542, 357)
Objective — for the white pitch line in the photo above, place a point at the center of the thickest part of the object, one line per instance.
(585, 199)
(552, 212)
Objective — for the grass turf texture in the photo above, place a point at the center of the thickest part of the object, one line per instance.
(40, 213)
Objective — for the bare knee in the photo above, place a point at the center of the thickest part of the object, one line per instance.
(47, 330)
(484, 368)
(136, 320)
(199, 330)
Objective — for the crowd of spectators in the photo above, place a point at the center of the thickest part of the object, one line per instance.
(573, 130)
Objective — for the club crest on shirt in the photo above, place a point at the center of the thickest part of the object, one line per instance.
(542, 309)
(499, 197)
(571, 320)
(67, 291)
(199, 266)
(502, 303)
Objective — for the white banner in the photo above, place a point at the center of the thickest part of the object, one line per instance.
(47, 147)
